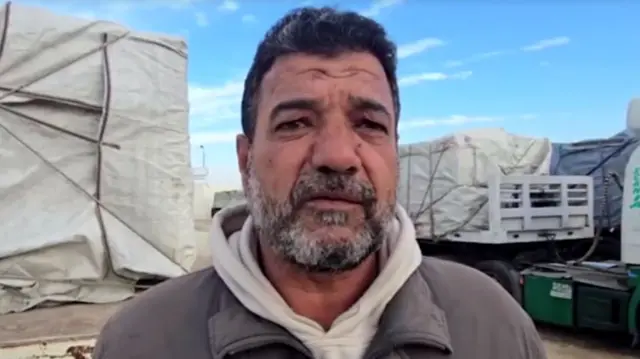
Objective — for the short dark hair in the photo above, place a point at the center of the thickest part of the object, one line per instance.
(323, 31)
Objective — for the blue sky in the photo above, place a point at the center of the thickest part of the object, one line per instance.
(560, 69)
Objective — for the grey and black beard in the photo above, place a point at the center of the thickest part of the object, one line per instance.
(280, 226)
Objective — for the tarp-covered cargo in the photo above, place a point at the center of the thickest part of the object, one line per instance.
(95, 181)
(443, 183)
(605, 161)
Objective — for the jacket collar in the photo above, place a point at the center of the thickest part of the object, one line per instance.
(234, 329)
(411, 318)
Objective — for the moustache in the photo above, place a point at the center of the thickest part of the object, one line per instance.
(333, 186)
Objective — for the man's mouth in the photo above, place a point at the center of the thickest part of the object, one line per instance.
(332, 200)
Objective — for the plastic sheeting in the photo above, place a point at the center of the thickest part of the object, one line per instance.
(605, 161)
(443, 183)
(90, 113)
(202, 204)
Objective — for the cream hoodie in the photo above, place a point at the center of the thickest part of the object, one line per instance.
(349, 336)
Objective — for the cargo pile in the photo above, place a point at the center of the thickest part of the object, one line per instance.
(96, 184)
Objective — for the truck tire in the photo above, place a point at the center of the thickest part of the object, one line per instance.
(503, 273)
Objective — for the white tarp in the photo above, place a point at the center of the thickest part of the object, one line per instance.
(443, 183)
(88, 109)
(202, 204)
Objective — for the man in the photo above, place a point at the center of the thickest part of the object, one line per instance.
(320, 262)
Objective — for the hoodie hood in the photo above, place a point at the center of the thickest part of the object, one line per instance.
(234, 259)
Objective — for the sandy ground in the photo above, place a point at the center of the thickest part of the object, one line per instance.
(570, 345)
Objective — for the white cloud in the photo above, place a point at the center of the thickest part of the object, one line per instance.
(213, 137)
(453, 63)
(416, 47)
(461, 75)
(475, 58)
(414, 79)
(487, 55)
(180, 4)
(537, 46)
(453, 120)
(457, 120)
(528, 116)
(247, 18)
(378, 5)
(125, 12)
(229, 6)
(214, 104)
(425, 76)
(110, 12)
(201, 19)
(547, 43)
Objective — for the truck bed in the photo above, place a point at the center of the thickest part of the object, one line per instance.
(53, 332)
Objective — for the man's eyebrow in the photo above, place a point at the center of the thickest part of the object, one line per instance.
(368, 104)
(294, 104)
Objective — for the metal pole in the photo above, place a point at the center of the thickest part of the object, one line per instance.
(204, 157)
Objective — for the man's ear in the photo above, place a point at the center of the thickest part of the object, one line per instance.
(243, 147)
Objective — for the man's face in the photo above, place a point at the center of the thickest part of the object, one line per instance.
(320, 175)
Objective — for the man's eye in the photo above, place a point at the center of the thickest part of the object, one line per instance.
(296, 124)
(371, 125)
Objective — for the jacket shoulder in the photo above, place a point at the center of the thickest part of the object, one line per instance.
(477, 308)
(176, 310)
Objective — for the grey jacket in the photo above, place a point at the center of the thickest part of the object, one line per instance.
(445, 310)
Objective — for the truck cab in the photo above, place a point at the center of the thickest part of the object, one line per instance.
(630, 236)
(596, 295)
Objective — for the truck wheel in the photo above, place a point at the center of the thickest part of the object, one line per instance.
(503, 273)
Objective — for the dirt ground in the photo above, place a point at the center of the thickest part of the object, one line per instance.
(569, 345)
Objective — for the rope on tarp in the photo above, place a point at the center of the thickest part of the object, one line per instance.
(99, 141)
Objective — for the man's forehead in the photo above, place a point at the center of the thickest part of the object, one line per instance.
(298, 72)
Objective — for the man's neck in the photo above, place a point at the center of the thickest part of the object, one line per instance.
(319, 297)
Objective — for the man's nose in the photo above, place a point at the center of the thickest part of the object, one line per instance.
(335, 150)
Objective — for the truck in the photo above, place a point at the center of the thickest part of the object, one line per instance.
(596, 295)
(545, 238)
(531, 219)
(486, 198)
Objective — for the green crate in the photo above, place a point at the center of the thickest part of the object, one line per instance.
(548, 298)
